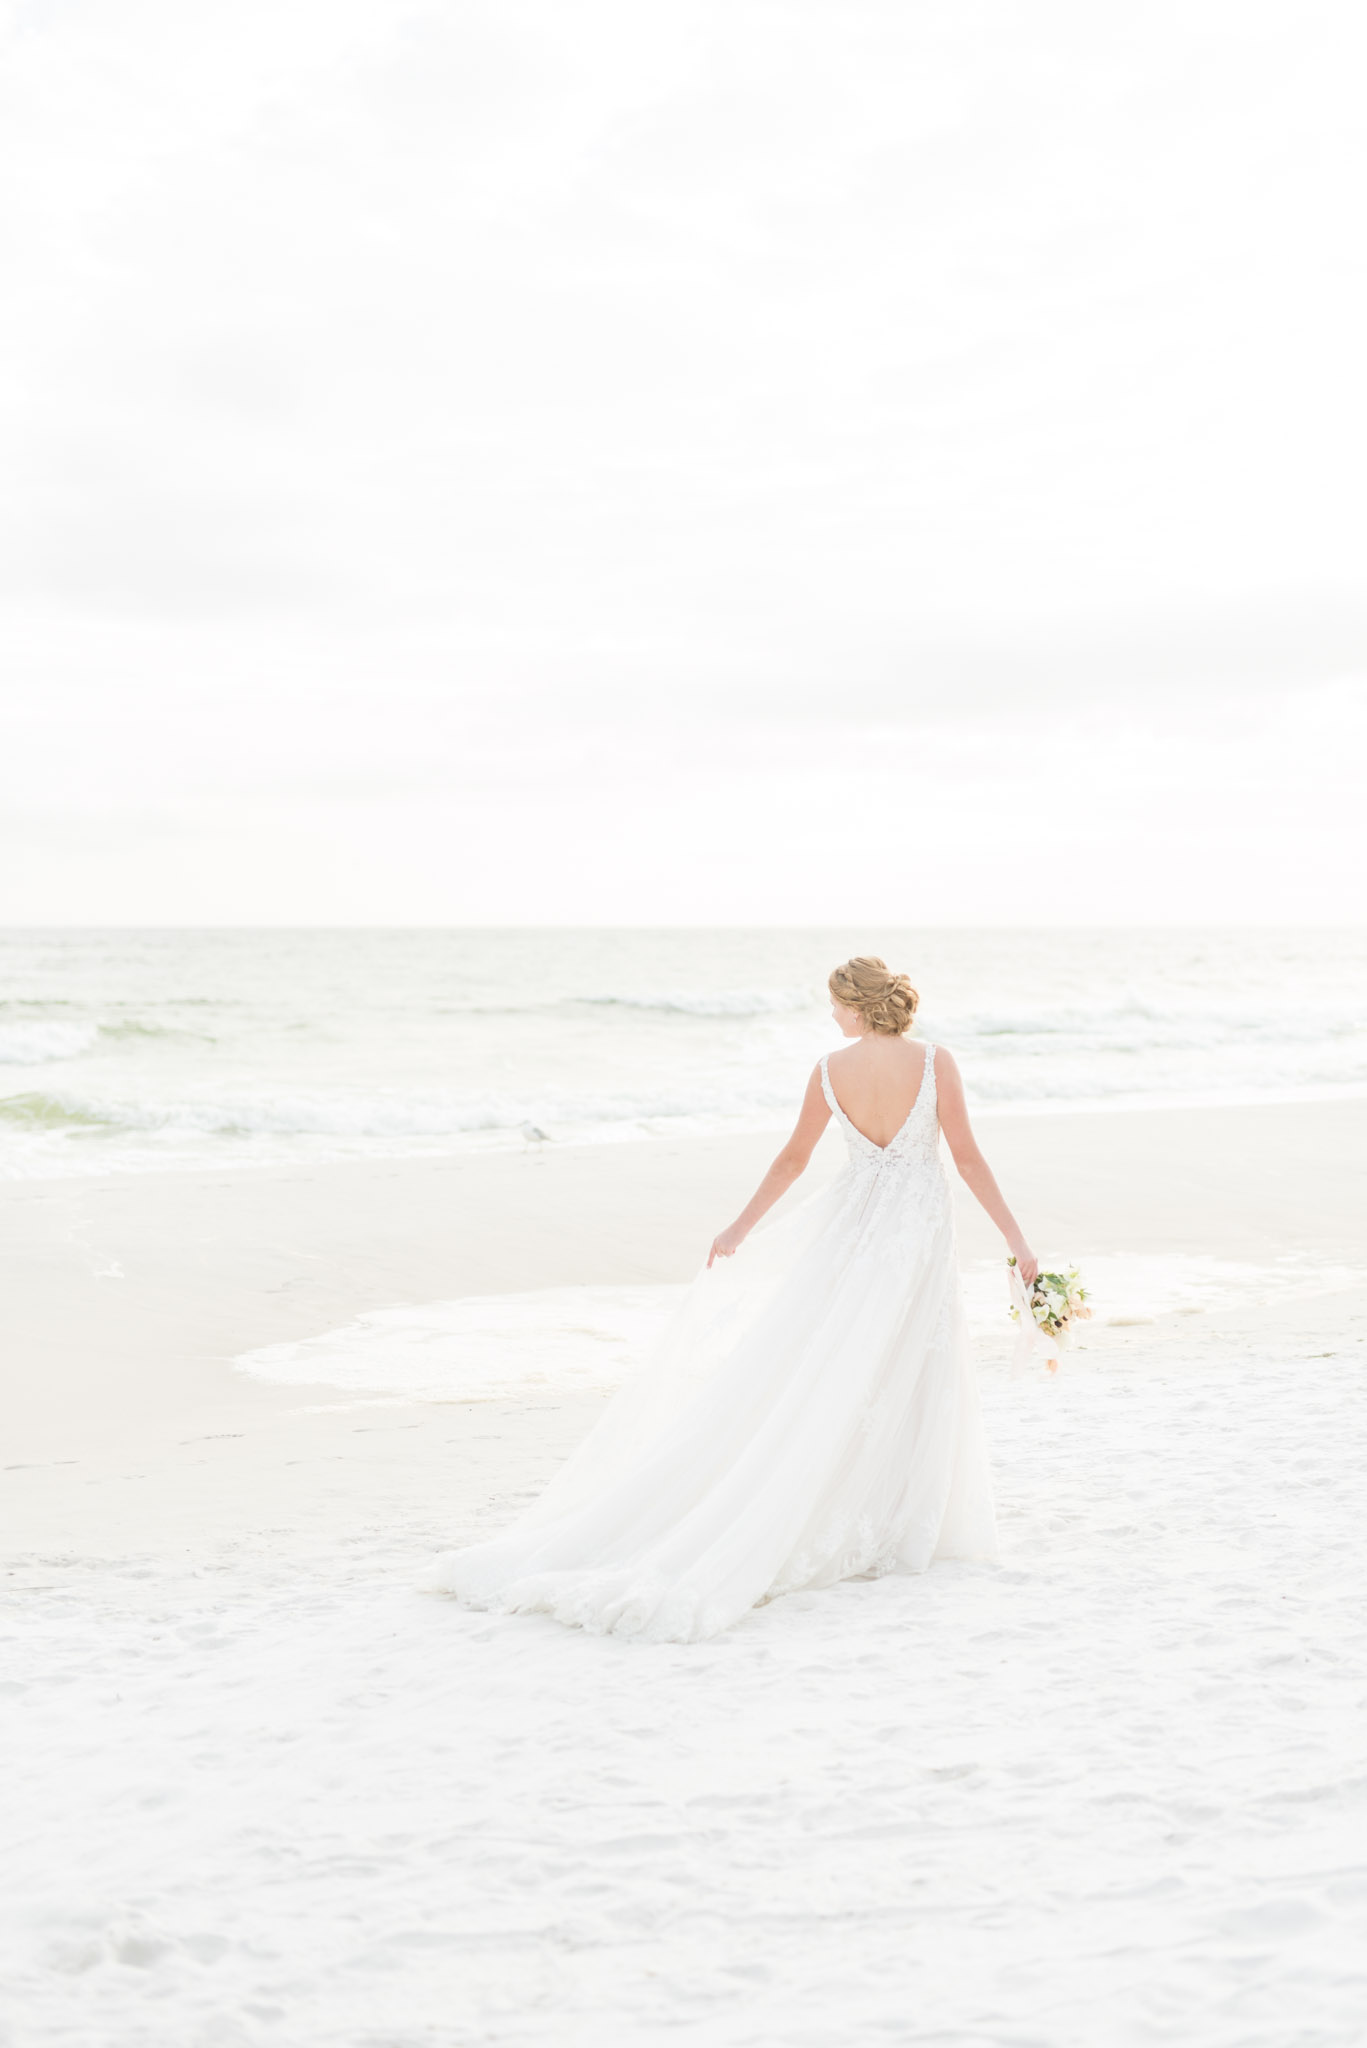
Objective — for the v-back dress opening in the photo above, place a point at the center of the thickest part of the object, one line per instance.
(810, 1414)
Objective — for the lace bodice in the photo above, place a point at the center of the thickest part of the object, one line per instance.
(918, 1138)
(898, 1191)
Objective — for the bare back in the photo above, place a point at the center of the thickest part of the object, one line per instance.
(877, 1081)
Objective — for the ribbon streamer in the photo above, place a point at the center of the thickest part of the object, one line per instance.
(1030, 1338)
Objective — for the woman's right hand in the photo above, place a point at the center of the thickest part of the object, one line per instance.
(727, 1244)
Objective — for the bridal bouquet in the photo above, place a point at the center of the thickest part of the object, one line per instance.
(1046, 1313)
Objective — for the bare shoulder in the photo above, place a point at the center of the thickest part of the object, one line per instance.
(949, 1090)
(814, 1095)
(947, 1070)
(813, 1116)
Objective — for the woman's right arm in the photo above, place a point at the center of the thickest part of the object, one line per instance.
(792, 1161)
(974, 1170)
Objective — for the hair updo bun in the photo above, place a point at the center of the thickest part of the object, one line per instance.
(886, 1001)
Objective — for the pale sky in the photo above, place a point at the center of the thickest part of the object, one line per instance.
(682, 463)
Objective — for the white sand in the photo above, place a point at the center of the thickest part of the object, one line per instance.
(1111, 1792)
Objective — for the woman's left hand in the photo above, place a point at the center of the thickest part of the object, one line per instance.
(726, 1245)
(1026, 1260)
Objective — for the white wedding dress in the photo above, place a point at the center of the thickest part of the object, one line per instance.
(811, 1414)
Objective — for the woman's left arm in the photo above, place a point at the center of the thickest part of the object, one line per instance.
(791, 1161)
(973, 1168)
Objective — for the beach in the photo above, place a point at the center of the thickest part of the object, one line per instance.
(564, 564)
(1108, 1791)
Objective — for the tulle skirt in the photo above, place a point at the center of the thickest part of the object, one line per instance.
(810, 1414)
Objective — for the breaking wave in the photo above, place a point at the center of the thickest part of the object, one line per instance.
(38, 1112)
(374, 1117)
(717, 1003)
(34, 1042)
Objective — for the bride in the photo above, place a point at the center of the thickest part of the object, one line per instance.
(811, 1413)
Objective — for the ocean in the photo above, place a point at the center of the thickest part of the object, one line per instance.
(131, 1051)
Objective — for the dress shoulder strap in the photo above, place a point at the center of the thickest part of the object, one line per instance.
(829, 1092)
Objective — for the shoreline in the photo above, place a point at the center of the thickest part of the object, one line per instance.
(124, 1300)
(509, 1141)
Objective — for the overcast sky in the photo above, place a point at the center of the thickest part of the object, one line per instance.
(709, 463)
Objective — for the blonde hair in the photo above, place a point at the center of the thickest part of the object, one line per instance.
(886, 1001)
